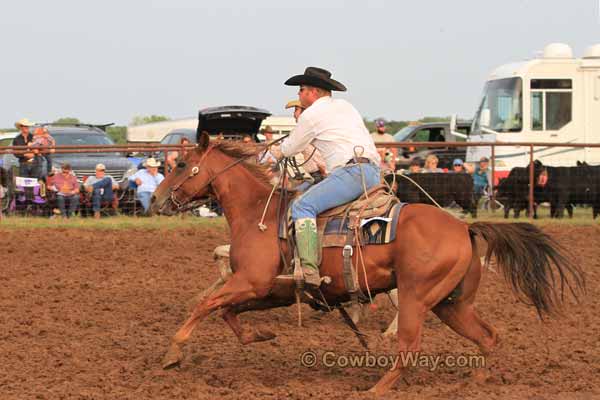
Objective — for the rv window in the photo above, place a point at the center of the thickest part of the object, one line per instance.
(551, 84)
(558, 109)
(537, 111)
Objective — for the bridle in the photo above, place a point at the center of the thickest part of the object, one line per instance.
(195, 170)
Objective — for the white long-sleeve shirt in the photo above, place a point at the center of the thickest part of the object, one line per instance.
(335, 128)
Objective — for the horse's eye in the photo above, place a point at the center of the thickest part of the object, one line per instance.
(181, 165)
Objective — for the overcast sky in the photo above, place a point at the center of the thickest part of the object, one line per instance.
(107, 61)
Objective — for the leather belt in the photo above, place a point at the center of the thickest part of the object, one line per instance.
(358, 160)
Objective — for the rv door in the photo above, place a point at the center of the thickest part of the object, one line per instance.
(553, 119)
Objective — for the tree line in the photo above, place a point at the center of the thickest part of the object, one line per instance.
(118, 133)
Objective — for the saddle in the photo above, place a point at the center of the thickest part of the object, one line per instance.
(374, 213)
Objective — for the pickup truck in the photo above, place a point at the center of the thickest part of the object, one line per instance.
(431, 132)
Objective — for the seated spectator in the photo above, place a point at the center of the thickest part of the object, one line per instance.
(481, 177)
(66, 187)
(415, 166)
(102, 188)
(431, 164)
(147, 180)
(458, 166)
(173, 157)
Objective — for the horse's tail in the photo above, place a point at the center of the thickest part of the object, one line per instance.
(531, 261)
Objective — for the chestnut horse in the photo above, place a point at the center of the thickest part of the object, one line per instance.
(433, 253)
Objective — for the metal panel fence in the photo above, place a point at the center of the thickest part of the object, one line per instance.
(517, 188)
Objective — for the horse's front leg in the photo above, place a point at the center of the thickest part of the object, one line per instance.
(235, 291)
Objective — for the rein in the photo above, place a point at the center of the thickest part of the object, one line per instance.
(196, 170)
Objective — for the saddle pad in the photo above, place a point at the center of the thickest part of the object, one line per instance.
(379, 229)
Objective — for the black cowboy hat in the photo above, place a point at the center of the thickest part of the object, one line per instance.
(317, 77)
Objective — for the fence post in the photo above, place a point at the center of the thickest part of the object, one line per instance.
(531, 178)
(166, 167)
(493, 196)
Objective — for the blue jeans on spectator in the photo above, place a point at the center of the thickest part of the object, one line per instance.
(341, 186)
(73, 204)
(29, 169)
(102, 192)
(144, 198)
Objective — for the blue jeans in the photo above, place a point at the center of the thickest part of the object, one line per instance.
(341, 186)
(144, 198)
(102, 192)
(73, 204)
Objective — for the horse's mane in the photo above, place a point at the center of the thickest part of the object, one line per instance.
(237, 150)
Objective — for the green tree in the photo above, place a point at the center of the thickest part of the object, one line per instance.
(148, 119)
(67, 121)
(117, 133)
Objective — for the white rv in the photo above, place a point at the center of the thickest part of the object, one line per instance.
(552, 99)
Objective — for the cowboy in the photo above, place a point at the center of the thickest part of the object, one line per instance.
(336, 129)
(27, 161)
(147, 180)
(388, 156)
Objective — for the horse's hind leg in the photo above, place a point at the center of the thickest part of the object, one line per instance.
(462, 317)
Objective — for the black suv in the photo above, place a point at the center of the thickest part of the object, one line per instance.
(431, 132)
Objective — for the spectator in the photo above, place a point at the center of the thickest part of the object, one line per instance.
(67, 188)
(27, 161)
(431, 164)
(388, 156)
(415, 166)
(458, 166)
(102, 188)
(147, 180)
(481, 178)
(43, 159)
(173, 157)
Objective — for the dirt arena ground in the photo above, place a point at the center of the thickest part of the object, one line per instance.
(88, 314)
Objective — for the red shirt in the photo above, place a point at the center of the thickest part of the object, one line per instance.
(65, 184)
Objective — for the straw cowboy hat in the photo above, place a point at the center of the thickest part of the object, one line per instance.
(152, 163)
(316, 77)
(293, 104)
(23, 122)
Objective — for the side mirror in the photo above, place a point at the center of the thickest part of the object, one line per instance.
(484, 118)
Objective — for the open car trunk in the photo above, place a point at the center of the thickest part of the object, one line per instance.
(233, 122)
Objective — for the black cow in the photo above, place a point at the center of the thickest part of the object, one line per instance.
(444, 188)
(593, 176)
(567, 186)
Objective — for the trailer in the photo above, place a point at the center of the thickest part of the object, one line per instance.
(551, 99)
(154, 132)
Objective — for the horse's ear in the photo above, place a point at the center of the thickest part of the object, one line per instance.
(203, 140)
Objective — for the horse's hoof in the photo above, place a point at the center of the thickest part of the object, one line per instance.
(173, 357)
(265, 335)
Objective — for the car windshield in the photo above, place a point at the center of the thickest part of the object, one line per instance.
(84, 139)
(403, 133)
(504, 100)
(79, 139)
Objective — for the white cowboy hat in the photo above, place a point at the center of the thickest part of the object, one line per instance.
(152, 163)
(23, 122)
